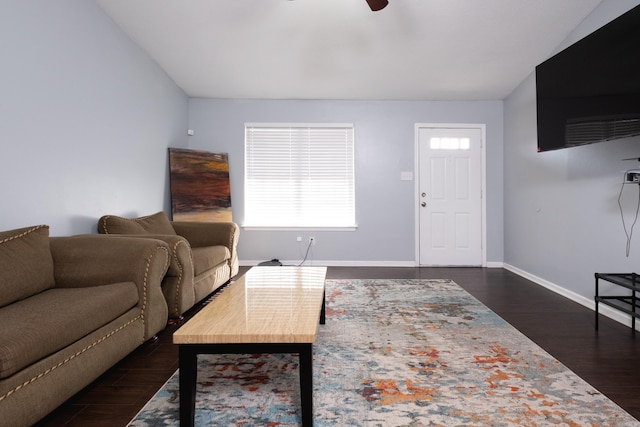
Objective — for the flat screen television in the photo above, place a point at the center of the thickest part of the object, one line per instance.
(590, 92)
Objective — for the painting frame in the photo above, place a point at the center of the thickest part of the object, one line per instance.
(199, 185)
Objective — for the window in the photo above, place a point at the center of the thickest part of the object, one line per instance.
(450, 143)
(299, 175)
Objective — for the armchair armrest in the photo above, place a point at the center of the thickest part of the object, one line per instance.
(201, 234)
(93, 260)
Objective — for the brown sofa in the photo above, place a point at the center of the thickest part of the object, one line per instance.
(203, 254)
(70, 308)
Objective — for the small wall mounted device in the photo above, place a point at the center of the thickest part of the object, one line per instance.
(632, 176)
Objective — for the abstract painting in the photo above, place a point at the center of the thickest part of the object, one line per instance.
(200, 188)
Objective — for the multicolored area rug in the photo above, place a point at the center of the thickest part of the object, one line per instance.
(397, 353)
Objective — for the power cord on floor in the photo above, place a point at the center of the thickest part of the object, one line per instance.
(629, 233)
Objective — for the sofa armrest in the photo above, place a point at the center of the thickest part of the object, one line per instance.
(179, 248)
(201, 234)
(93, 260)
(177, 286)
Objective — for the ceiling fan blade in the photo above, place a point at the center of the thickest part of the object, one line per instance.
(376, 5)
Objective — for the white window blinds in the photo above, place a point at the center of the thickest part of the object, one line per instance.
(299, 175)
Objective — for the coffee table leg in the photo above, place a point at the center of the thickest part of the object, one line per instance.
(306, 384)
(188, 373)
(322, 315)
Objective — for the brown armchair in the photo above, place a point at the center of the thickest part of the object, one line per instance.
(203, 254)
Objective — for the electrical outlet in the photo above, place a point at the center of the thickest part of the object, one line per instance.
(299, 239)
(312, 240)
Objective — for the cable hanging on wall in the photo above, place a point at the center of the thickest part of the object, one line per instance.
(631, 176)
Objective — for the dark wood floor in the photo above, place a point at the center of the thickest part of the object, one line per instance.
(606, 359)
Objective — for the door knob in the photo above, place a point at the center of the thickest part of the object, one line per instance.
(423, 204)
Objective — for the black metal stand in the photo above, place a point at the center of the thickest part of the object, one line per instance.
(625, 303)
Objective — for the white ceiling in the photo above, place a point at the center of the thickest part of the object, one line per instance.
(340, 49)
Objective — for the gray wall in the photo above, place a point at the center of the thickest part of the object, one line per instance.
(562, 221)
(85, 119)
(385, 146)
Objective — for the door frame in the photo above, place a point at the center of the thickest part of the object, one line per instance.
(483, 191)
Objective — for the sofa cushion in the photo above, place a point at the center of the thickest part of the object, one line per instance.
(208, 257)
(26, 265)
(38, 326)
(157, 223)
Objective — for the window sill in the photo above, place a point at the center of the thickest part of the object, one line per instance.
(277, 228)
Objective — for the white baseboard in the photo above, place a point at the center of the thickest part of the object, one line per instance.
(607, 311)
(335, 263)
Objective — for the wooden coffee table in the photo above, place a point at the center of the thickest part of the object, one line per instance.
(268, 310)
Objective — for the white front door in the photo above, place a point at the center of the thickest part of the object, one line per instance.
(450, 196)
